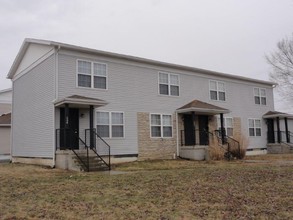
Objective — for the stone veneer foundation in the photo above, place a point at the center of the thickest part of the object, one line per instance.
(154, 148)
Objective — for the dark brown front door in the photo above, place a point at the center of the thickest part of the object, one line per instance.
(203, 126)
(271, 131)
(189, 131)
(69, 137)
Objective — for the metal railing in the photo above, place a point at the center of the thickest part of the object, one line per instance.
(100, 147)
(285, 137)
(196, 137)
(67, 139)
(233, 146)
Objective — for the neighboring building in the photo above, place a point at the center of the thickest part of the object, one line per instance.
(280, 135)
(5, 121)
(144, 109)
(5, 101)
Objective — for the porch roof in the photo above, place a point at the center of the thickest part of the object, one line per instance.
(80, 101)
(275, 114)
(202, 107)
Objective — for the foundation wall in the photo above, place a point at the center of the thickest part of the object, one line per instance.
(36, 161)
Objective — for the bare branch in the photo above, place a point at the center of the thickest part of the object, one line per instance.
(281, 62)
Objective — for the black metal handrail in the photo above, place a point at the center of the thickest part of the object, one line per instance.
(231, 144)
(94, 148)
(280, 137)
(286, 137)
(70, 146)
(196, 139)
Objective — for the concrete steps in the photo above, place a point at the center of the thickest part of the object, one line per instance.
(95, 163)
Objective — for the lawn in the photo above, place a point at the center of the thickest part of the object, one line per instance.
(254, 188)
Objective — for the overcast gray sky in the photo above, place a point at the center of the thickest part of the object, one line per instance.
(230, 36)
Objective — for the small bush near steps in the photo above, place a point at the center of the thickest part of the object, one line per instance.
(217, 152)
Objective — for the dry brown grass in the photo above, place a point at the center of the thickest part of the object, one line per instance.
(271, 157)
(244, 142)
(170, 189)
(215, 151)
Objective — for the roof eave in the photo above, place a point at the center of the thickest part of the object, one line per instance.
(5, 125)
(205, 111)
(278, 116)
(27, 41)
(80, 102)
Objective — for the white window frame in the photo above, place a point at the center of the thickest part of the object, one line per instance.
(111, 124)
(225, 124)
(260, 96)
(92, 74)
(217, 90)
(161, 125)
(169, 84)
(254, 127)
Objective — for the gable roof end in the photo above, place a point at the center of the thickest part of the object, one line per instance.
(21, 53)
(202, 107)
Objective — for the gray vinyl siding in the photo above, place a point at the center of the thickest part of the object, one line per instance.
(133, 87)
(33, 112)
(290, 126)
(5, 139)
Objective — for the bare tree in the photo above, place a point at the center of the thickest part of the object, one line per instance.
(281, 61)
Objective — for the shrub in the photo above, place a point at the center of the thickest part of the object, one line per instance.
(215, 151)
(243, 142)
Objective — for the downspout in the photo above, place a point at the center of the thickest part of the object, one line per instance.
(56, 97)
(177, 135)
(11, 124)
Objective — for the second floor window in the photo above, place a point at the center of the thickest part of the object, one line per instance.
(217, 90)
(168, 84)
(260, 96)
(91, 74)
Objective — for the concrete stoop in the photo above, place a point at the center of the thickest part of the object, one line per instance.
(66, 159)
(280, 148)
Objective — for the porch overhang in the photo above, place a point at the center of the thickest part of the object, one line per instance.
(275, 114)
(80, 102)
(202, 108)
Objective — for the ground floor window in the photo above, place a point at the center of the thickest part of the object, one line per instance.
(110, 124)
(254, 126)
(161, 125)
(228, 125)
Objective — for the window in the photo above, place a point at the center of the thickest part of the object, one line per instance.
(110, 124)
(161, 125)
(228, 125)
(260, 96)
(254, 126)
(168, 84)
(91, 74)
(217, 90)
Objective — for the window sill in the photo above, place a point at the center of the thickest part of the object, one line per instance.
(95, 89)
(172, 96)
